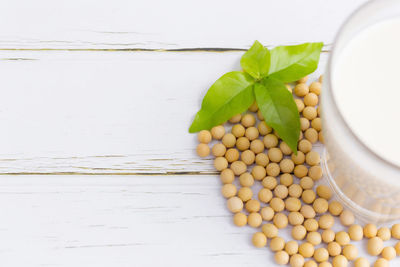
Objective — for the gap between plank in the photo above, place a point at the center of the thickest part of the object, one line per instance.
(189, 173)
(199, 49)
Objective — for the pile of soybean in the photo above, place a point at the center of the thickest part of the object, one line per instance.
(253, 153)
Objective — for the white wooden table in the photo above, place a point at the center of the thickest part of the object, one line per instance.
(96, 99)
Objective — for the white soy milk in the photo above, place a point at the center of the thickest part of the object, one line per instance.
(366, 87)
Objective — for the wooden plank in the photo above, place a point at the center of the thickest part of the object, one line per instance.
(120, 221)
(171, 24)
(125, 221)
(105, 112)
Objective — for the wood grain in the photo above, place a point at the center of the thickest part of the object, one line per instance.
(175, 24)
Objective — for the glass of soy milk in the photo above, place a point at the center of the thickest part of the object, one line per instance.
(361, 112)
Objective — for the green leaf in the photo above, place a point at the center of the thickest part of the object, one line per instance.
(279, 110)
(256, 61)
(291, 63)
(229, 95)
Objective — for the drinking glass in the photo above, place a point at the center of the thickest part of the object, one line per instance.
(366, 183)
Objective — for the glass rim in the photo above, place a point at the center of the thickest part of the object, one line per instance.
(330, 65)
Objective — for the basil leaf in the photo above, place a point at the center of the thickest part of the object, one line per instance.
(291, 63)
(229, 95)
(256, 61)
(279, 110)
